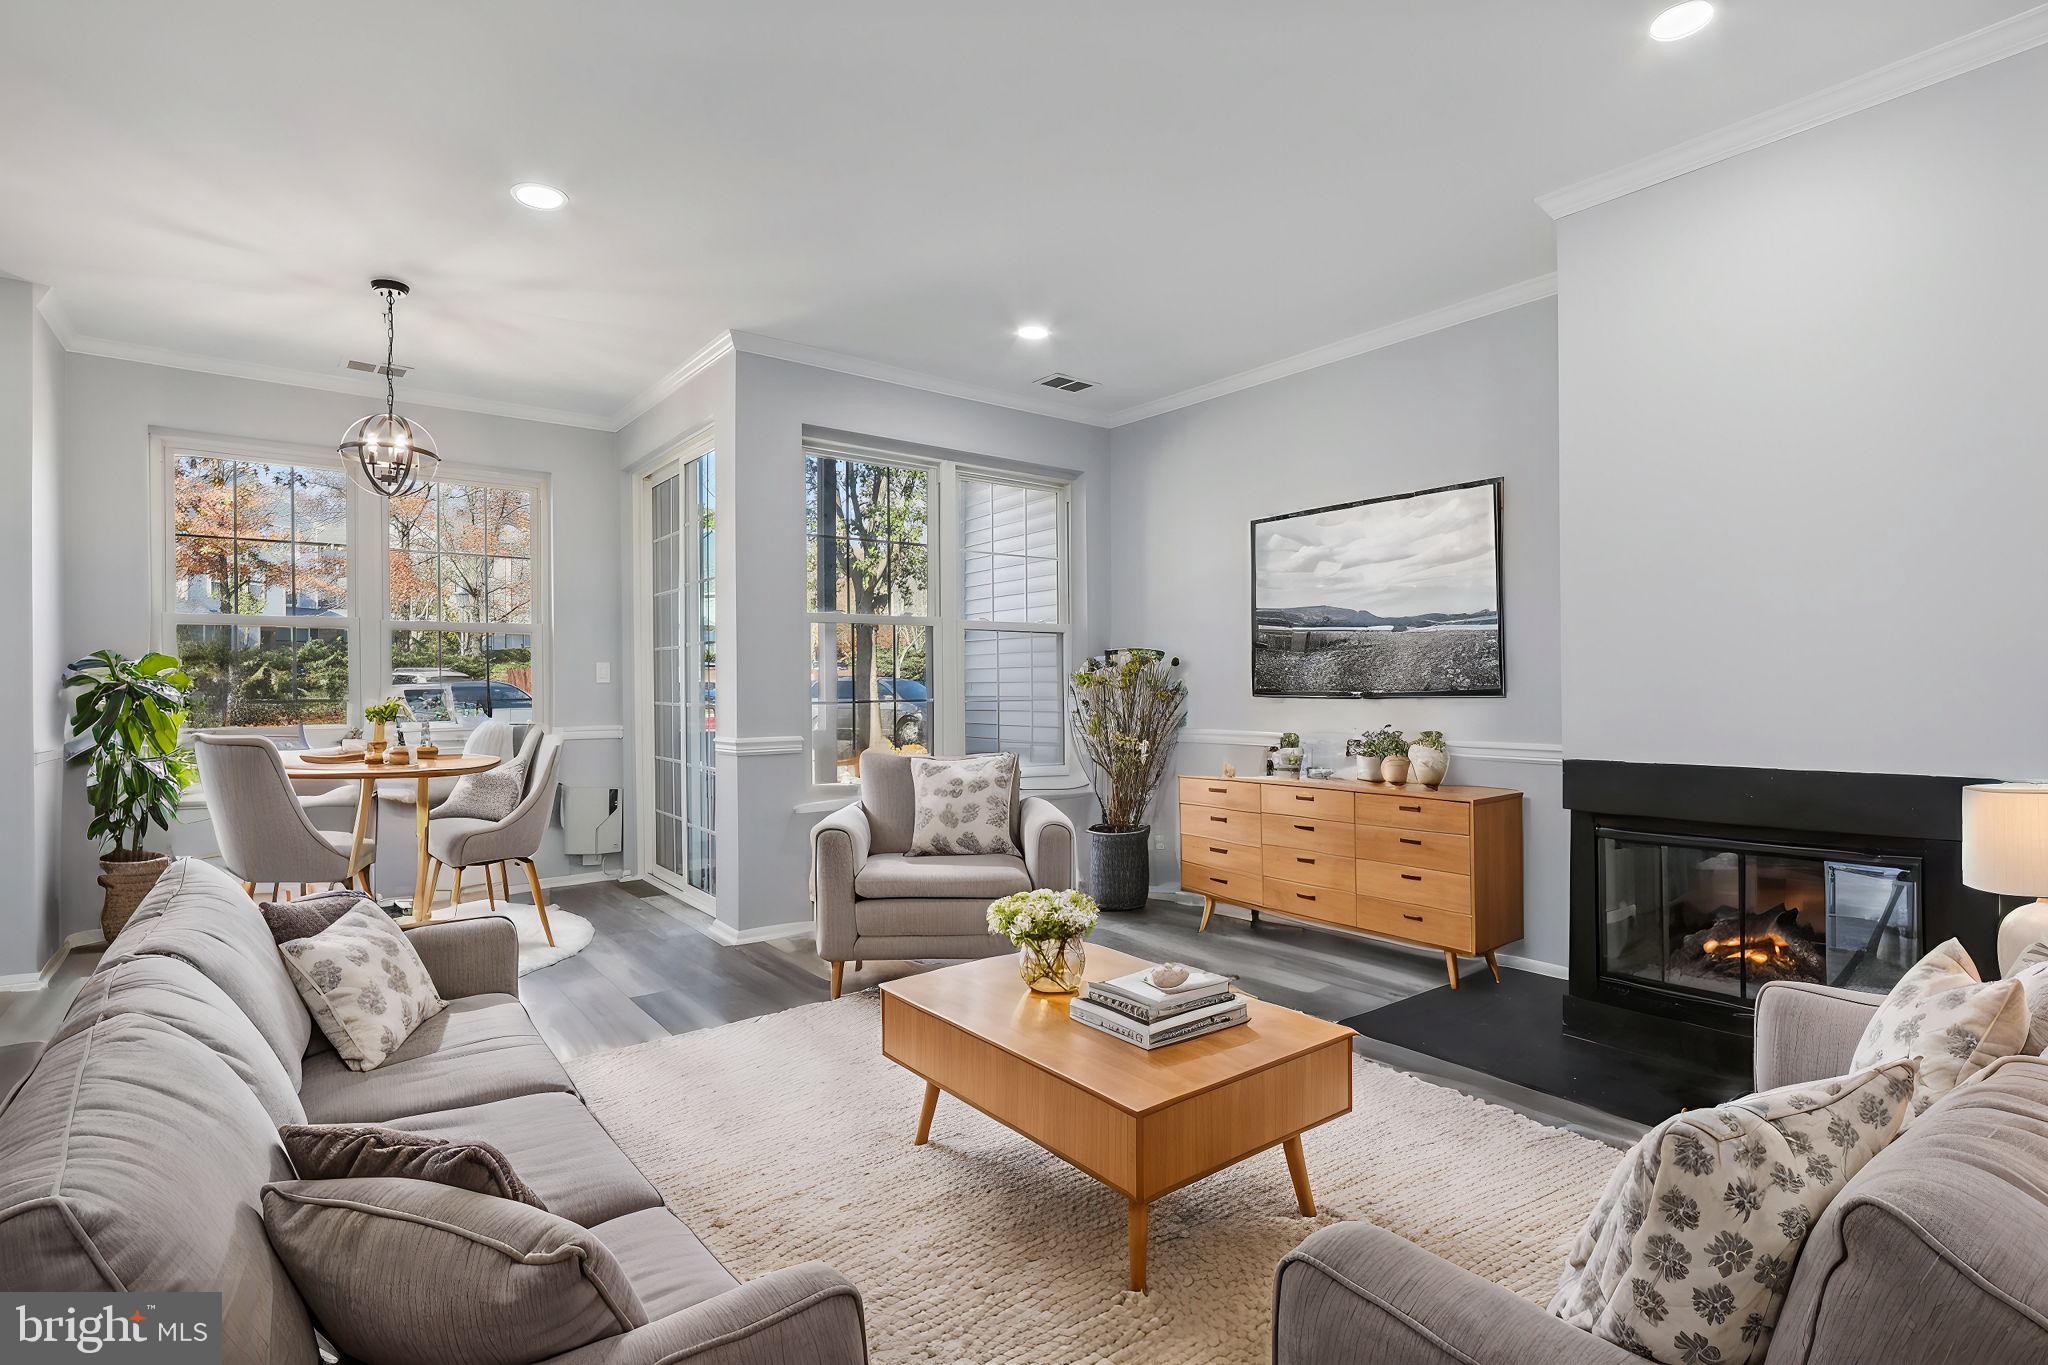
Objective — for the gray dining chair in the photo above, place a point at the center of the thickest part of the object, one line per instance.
(491, 736)
(264, 832)
(459, 843)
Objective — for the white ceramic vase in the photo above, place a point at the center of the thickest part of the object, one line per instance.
(1427, 764)
(1368, 769)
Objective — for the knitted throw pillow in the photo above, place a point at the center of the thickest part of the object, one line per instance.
(489, 795)
(308, 915)
(345, 1151)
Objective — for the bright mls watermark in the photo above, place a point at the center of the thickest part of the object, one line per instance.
(168, 1329)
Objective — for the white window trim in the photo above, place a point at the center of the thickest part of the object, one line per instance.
(946, 625)
(369, 640)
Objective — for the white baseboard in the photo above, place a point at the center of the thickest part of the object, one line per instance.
(581, 878)
(35, 981)
(721, 932)
(1536, 965)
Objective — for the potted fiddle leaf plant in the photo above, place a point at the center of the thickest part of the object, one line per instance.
(125, 727)
(1127, 709)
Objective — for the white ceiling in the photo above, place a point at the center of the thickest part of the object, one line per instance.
(1183, 189)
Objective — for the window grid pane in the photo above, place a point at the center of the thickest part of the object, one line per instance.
(1015, 695)
(1009, 561)
(461, 555)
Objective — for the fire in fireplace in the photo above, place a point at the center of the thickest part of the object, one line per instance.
(1767, 947)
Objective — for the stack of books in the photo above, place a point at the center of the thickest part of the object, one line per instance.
(1135, 1010)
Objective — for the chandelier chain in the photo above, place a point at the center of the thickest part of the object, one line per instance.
(390, 349)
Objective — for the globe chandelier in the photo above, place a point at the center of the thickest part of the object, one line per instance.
(385, 453)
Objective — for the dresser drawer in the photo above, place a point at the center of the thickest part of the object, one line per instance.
(1310, 868)
(1416, 923)
(1322, 803)
(1224, 826)
(1218, 854)
(1238, 888)
(1217, 791)
(1417, 885)
(1328, 904)
(1412, 812)
(1413, 848)
(1304, 831)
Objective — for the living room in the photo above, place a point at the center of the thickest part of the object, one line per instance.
(1459, 552)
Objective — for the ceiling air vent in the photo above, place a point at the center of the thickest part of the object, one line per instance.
(1066, 383)
(380, 370)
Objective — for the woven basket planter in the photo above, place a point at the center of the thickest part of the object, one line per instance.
(127, 878)
(1119, 867)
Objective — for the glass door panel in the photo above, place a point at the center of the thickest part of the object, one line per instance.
(683, 690)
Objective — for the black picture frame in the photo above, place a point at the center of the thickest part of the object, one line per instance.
(1499, 595)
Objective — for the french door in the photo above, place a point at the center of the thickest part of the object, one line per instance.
(680, 792)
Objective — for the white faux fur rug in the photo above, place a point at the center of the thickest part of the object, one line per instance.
(572, 932)
(789, 1138)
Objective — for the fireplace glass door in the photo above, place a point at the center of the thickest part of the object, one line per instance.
(1720, 919)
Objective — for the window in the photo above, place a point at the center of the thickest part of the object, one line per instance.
(977, 665)
(260, 590)
(282, 586)
(461, 602)
(868, 557)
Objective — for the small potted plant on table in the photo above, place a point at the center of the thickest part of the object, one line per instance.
(125, 725)
(1429, 759)
(381, 714)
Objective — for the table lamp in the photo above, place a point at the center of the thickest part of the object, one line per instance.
(2005, 851)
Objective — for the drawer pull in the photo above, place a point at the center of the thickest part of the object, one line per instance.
(1214, 849)
(1220, 791)
(1220, 819)
(1310, 861)
(1416, 842)
(1415, 809)
(1220, 881)
(1410, 877)
(1416, 918)
(1306, 829)
(1299, 797)
(1300, 897)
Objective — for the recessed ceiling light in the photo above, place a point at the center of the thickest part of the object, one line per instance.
(544, 197)
(1033, 331)
(1682, 21)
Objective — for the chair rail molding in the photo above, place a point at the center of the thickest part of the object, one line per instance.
(1478, 750)
(571, 733)
(759, 746)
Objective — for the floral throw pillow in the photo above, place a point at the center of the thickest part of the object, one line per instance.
(963, 804)
(366, 986)
(2030, 969)
(1948, 1021)
(1687, 1257)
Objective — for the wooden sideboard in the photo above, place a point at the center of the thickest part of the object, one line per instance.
(1442, 868)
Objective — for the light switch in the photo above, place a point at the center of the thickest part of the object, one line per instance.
(604, 670)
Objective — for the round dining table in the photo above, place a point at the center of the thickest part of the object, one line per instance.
(421, 770)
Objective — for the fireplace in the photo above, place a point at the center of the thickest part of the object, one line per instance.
(1694, 887)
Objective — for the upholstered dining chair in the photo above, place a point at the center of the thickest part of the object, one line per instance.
(265, 833)
(460, 843)
(491, 736)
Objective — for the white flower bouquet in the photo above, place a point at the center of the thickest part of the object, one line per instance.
(1047, 927)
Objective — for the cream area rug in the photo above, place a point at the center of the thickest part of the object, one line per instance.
(789, 1138)
(572, 932)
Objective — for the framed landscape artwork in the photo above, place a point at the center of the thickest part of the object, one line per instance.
(1389, 597)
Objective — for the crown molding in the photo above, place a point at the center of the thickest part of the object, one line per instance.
(2007, 38)
(753, 343)
(717, 349)
(1394, 333)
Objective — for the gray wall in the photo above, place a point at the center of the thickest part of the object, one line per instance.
(1470, 402)
(1803, 465)
(109, 409)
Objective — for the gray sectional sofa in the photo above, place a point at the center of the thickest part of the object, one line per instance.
(133, 1157)
(1935, 1251)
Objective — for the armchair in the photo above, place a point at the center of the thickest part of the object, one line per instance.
(874, 901)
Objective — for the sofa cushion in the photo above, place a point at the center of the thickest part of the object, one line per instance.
(131, 1159)
(204, 918)
(1688, 1254)
(1939, 1240)
(980, 876)
(404, 1272)
(558, 1148)
(904, 918)
(345, 1151)
(481, 1048)
(177, 993)
(1947, 1021)
(365, 986)
(670, 1269)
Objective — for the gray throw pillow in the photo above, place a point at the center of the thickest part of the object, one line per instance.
(406, 1272)
(342, 1151)
(307, 915)
(489, 795)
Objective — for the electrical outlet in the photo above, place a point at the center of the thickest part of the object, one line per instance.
(604, 670)
(1159, 843)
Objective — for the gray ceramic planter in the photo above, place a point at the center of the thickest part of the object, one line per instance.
(1119, 867)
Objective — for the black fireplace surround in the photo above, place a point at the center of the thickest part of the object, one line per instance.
(1693, 886)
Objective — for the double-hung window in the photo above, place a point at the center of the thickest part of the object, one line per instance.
(937, 596)
(460, 625)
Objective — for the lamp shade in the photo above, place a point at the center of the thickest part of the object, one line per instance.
(2005, 838)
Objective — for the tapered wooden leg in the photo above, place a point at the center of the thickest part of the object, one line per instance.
(505, 876)
(422, 909)
(540, 902)
(924, 1115)
(1493, 966)
(366, 802)
(455, 892)
(249, 888)
(858, 964)
(838, 978)
(1208, 909)
(434, 878)
(491, 888)
(1297, 1169)
(1451, 967)
(1141, 1214)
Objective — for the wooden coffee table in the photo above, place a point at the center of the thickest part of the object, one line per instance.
(1143, 1123)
